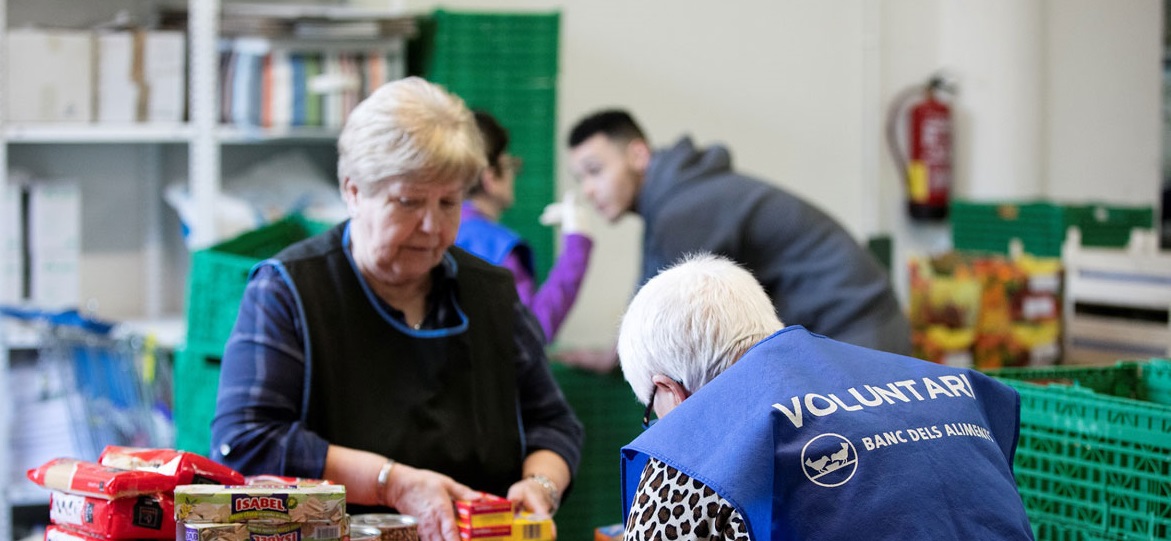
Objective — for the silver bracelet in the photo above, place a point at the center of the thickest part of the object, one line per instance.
(550, 489)
(383, 479)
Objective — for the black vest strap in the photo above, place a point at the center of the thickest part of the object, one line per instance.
(445, 403)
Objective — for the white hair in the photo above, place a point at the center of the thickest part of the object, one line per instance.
(691, 322)
(413, 130)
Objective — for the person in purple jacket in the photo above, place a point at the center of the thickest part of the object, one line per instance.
(482, 234)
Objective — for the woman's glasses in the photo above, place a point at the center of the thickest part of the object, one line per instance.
(511, 163)
(647, 422)
(650, 406)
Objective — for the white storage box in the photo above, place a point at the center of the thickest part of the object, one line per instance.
(50, 75)
(1117, 301)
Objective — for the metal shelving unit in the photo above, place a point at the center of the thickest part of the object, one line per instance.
(160, 152)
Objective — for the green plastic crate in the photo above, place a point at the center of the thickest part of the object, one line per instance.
(989, 227)
(1122, 379)
(197, 377)
(218, 275)
(1041, 225)
(1108, 226)
(214, 290)
(1157, 380)
(506, 64)
(1090, 465)
(612, 418)
(500, 50)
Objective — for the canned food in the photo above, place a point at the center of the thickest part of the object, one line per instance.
(363, 532)
(392, 527)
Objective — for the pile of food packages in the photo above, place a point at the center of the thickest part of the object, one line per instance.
(986, 311)
(137, 493)
(491, 518)
(127, 494)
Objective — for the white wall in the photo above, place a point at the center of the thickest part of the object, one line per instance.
(1104, 100)
(1059, 98)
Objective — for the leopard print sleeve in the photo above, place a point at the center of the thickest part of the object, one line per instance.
(671, 505)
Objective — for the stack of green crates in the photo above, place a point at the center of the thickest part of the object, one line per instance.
(505, 64)
(612, 417)
(1094, 456)
(1041, 226)
(215, 286)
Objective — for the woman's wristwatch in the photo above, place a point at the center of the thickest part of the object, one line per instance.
(550, 490)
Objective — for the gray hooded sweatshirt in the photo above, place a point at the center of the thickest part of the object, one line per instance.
(816, 273)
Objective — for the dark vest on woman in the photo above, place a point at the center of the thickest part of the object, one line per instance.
(440, 399)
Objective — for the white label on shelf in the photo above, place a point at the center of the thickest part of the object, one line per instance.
(1036, 307)
(1045, 283)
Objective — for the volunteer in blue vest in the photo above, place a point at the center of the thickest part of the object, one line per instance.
(379, 356)
(772, 433)
(482, 234)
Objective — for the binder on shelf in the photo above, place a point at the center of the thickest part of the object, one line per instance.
(297, 90)
(275, 83)
(11, 244)
(54, 236)
(279, 107)
(246, 70)
(164, 73)
(119, 77)
(313, 98)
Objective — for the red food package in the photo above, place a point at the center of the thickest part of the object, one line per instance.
(282, 481)
(488, 532)
(149, 516)
(55, 532)
(187, 468)
(486, 503)
(89, 479)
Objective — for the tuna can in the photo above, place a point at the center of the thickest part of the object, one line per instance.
(364, 532)
(392, 527)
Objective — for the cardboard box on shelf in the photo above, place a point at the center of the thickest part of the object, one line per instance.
(54, 237)
(11, 244)
(164, 71)
(118, 77)
(50, 75)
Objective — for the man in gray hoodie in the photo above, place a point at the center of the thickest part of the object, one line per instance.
(692, 200)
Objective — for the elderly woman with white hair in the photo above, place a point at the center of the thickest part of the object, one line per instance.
(767, 432)
(378, 356)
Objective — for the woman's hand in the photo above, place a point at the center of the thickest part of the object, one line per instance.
(531, 496)
(428, 497)
(528, 495)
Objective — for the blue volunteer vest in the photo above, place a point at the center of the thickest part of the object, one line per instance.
(493, 242)
(810, 438)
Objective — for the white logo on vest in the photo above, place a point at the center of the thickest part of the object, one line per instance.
(829, 460)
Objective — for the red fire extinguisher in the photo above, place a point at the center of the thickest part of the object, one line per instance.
(926, 164)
